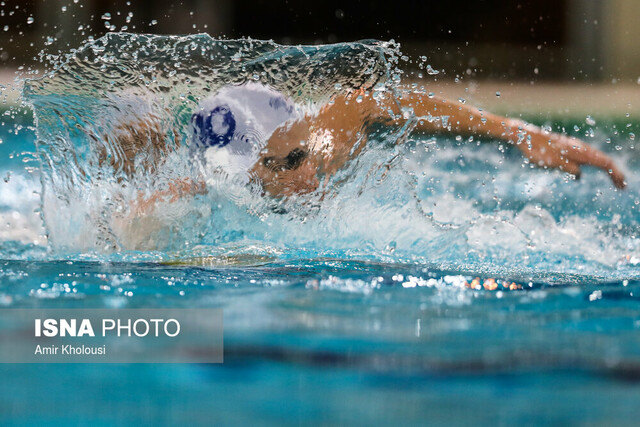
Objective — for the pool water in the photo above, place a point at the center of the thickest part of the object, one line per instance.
(333, 335)
(439, 281)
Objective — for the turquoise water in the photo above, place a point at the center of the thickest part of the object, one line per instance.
(362, 310)
(337, 340)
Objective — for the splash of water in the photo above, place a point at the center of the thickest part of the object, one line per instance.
(91, 172)
(427, 200)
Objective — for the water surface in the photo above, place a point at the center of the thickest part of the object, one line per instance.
(460, 287)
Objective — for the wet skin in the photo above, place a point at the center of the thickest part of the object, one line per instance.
(299, 154)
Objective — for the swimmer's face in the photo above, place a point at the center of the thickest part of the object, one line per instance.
(213, 128)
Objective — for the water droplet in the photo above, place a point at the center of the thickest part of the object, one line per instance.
(431, 71)
(6, 28)
(106, 16)
(153, 22)
(337, 86)
(590, 121)
(30, 20)
(359, 99)
(498, 94)
(431, 94)
(63, 8)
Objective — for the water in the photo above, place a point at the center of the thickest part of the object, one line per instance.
(362, 309)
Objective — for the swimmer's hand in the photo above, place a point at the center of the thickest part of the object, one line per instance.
(552, 150)
(177, 190)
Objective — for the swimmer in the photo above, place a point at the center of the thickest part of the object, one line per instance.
(254, 132)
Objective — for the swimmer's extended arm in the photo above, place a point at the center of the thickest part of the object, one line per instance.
(544, 149)
(346, 114)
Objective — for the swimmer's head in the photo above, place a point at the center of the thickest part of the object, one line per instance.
(213, 127)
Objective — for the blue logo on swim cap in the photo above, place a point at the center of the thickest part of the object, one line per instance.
(214, 128)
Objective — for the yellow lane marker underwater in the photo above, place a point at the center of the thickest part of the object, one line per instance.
(243, 260)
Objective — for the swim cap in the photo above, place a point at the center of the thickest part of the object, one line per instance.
(242, 117)
(213, 128)
(230, 128)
